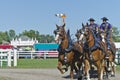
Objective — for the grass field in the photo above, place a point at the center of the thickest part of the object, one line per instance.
(40, 63)
(118, 68)
(37, 63)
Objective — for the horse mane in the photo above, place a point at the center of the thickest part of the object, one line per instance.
(91, 31)
(69, 37)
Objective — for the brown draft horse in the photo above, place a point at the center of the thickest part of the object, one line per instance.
(79, 47)
(62, 39)
(75, 55)
(111, 54)
(93, 55)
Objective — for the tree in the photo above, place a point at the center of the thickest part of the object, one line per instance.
(50, 38)
(11, 34)
(4, 37)
(116, 34)
(30, 33)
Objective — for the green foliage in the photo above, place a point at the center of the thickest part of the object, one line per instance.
(35, 34)
(46, 38)
(9, 35)
(116, 34)
(4, 37)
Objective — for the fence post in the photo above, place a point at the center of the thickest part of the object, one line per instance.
(9, 58)
(1, 59)
(15, 57)
(31, 55)
(45, 54)
(18, 54)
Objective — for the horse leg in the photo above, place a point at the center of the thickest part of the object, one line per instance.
(112, 69)
(59, 67)
(75, 67)
(60, 63)
(87, 68)
(112, 64)
(100, 69)
(71, 70)
(103, 70)
(79, 72)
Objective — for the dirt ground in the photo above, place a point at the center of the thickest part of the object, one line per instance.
(37, 74)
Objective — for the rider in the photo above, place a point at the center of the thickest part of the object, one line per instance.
(107, 28)
(93, 26)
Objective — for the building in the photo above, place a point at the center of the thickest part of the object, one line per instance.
(24, 43)
(6, 46)
(117, 44)
(45, 46)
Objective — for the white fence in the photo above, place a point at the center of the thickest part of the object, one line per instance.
(49, 54)
(117, 59)
(37, 54)
(8, 56)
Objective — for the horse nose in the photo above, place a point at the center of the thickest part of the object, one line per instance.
(56, 38)
(56, 41)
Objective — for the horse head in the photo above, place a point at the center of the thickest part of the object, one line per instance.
(89, 35)
(80, 33)
(59, 33)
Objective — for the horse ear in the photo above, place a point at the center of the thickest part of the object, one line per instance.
(83, 27)
(87, 24)
(80, 30)
(77, 30)
(57, 26)
(82, 24)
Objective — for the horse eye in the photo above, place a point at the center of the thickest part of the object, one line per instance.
(60, 34)
(85, 33)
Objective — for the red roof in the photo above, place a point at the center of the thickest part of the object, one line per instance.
(4, 46)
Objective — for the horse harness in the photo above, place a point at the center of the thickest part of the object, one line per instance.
(97, 45)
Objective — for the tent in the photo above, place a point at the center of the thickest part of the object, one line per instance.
(45, 46)
(6, 46)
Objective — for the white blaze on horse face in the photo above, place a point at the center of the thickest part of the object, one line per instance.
(103, 38)
(56, 37)
(81, 37)
(60, 41)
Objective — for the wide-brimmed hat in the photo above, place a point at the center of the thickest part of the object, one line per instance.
(91, 19)
(104, 19)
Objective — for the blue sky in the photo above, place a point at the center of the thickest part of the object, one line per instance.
(38, 15)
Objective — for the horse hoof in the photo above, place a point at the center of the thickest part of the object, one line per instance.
(109, 69)
(86, 78)
(71, 79)
(66, 69)
(80, 78)
(60, 70)
(112, 75)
